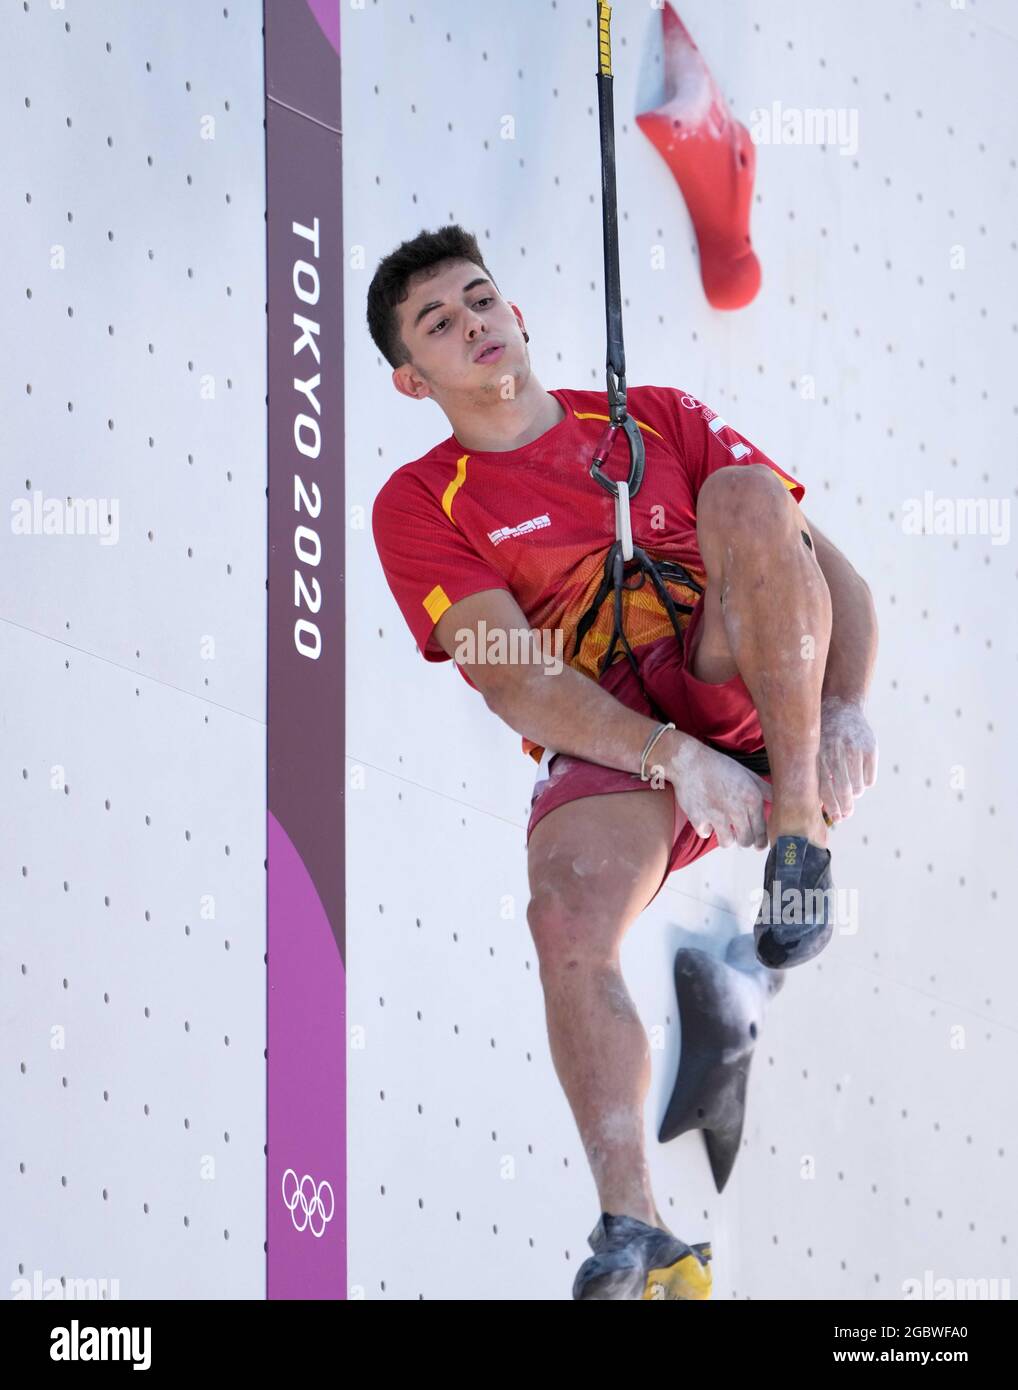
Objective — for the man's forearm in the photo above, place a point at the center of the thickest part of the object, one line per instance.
(853, 649)
(570, 713)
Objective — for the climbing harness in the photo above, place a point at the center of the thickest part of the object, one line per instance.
(624, 559)
(616, 571)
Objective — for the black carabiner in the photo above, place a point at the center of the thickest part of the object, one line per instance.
(620, 419)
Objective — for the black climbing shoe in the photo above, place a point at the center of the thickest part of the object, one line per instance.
(632, 1260)
(796, 918)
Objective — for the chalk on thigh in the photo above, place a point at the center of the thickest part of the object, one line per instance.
(594, 865)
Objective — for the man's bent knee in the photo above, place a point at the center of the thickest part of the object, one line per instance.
(742, 487)
(748, 498)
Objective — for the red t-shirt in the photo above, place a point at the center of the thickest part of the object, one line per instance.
(533, 521)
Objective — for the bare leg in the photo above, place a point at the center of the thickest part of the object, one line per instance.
(594, 865)
(767, 615)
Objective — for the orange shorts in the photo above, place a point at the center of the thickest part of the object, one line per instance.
(665, 690)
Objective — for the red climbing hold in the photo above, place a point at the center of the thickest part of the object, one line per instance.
(713, 160)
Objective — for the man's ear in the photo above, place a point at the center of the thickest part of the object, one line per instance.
(408, 383)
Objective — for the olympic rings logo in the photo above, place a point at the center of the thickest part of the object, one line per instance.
(312, 1208)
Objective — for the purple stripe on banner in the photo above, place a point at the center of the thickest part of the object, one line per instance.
(326, 12)
(307, 1053)
(302, 68)
(306, 1170)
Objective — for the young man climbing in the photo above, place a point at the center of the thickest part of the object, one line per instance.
(753, 665)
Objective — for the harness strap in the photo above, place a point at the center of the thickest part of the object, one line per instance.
(613, 579)
(757, 761)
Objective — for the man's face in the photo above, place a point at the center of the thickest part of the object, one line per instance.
(446, 320)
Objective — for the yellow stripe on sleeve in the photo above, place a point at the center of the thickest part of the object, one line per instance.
(436, 603)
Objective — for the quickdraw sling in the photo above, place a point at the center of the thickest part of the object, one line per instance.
(624, 559)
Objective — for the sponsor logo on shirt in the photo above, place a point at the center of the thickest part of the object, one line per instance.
(525, 527)
(737, 447)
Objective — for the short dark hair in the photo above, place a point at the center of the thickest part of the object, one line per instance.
(390, 283)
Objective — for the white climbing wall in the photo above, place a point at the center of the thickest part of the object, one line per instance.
(876, 364)
(132, 714)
